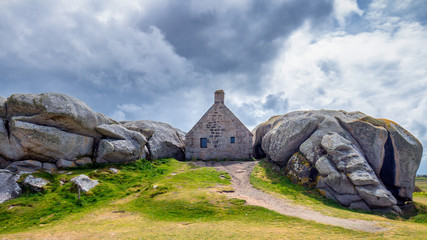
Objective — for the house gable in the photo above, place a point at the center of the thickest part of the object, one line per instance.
(226, 136)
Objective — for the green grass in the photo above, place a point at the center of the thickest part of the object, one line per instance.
(421, 182)
(34, 209)
(167, 199)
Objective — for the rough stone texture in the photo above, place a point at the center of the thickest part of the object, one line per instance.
(362, 162)
(26, 166)
(405, 152)
(63, 163)
(117, 151)
(10, 148)
(300, 171)
(2, 107)
(259, 132)
(9, 189)
(57, 110)
(49, 127)
(84, 161)
(116, 131)
(165, 141)
(43, 142)
(3, 163)
(35, 184)
(282, 141)
(371, 140)
(84, 182)
(129, 146)
(50, 167)
(218, 125)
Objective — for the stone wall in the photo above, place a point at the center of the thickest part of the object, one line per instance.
(218, 125)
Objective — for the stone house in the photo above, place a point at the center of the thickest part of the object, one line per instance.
(219, 134)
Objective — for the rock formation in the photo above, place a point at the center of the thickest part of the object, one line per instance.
(51, 130)
(359, 161)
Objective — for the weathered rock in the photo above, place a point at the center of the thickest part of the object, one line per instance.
(84, 161)
(63, 163)
(324, 166)
(371, 140)
(10, 148)
(117, 151)
(282, 141)
(84, 182)
(114, 170)
(26, 166)
(3, 163)
(359, 205)
(344, 153)
(116, 131)
(356, 156)
(57, 110)
(49, 143)
(35, 184)
(166, 141)
(259, 132)
(376, 196)
(129, 147)
(404, 153)
(2, 107)
(339, 183)
(299, 171)
(9, 189)
(50, 167)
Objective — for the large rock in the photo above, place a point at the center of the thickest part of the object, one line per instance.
(118, 151)
(9, 189)
(26, 166)
(2, 107)
(166, 141)
(300, 171)
(282, 141)
(49, 143)
(3, 163)
(84, 183)
(362, 162)
(404, 153)
(10, 148)
(129, 145)
(57, 110)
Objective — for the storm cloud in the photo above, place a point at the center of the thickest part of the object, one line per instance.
(162, 59)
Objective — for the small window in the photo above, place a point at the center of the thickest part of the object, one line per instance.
(232, 140)
(203, 142)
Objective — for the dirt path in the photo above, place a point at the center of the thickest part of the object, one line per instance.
(240, 173)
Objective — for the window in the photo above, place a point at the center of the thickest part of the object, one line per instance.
(232, 140)
(203, 142)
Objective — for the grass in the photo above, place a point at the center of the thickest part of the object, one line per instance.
(421, 182)
(167, 199)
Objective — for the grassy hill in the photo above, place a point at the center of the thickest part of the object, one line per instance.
(168, 199)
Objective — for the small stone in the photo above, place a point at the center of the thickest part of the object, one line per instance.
(114, 170)
(35, 184)
(84, 182)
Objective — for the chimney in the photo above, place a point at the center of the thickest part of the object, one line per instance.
(219, 96)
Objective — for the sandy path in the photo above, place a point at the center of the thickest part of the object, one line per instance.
(240, 173)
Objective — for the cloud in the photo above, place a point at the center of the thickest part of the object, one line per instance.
(162, 59)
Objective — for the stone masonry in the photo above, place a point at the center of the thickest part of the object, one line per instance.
(219, 134)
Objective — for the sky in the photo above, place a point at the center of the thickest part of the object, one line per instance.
(163, 59)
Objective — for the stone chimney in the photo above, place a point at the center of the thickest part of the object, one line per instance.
(219, 96)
